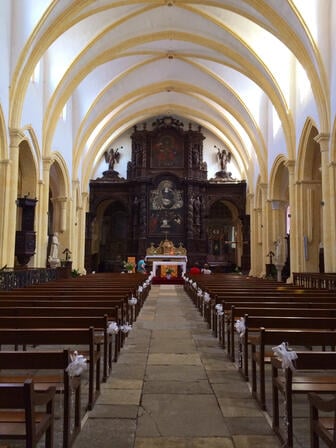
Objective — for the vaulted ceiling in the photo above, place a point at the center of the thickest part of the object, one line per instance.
(227, 65)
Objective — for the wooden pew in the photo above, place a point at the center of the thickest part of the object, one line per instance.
(323, 428)
(100, 324)
(260, 355)
(112, 313)
(254, 323)
(312, 380)
(58, 337)
(221, 322)
(281, 311)
(58, 361)
(19, 418)
(74, 300)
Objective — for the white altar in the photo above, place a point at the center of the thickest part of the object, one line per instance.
(167, 260)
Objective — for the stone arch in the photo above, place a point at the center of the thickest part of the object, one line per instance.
(26, 216)
(309, 194)
(279, 230)
(279, 197)
(257, 236)
(225, 237)
(59, 218)
(109, 235)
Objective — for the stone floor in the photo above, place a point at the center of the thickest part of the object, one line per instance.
(173, 387)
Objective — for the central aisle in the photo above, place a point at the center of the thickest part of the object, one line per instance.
(172, 387)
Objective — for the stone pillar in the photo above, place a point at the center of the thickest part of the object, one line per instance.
(9, 227)
(5, 167)
(75, 237)
(332, 229)
(328, 243)
(290, 164)
(255, 246)
(81, 216)
(264, 226)
(42, 210)
(61, 213)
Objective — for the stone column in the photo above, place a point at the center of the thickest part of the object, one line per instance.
(42, 210)
(5, 167)
(81, 216)
(255, 246)
(323, 140)
(332, 229)
(264, 227)
(61, 207)
(9, 227)
(290, 164)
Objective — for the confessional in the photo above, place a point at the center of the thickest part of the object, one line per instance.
(167, 196)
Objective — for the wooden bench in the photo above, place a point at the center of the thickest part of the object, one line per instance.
(63, 336)
(323, 428)
(57, 361)
(261, 352)
(280, 311)
(254, 323)
(19, 419)
(313, 378)
(112, 313)
(100, 324)
(223, 320)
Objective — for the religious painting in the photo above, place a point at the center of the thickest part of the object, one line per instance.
(166, 209)
(167, 151)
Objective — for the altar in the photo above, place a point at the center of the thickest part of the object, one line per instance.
(166, 254)
(167, 260)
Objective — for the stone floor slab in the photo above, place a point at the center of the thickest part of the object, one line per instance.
(111, 411)
(177, 387)
(171, 373)
(174, 359)
(175, 442)
(180, 415)
(120, 396)
(107, 433)
(256, 442)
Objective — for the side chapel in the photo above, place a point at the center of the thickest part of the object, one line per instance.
(167, 196)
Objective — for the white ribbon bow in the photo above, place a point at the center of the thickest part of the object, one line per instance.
(199, 292)
(240, 326)
(286, 356)
(112, 328)
(77, 365)
(206, 297)
(133, 301)
(219, 309)
(140, 289)
(126, 328)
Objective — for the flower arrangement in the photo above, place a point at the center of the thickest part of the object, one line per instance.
(128, 266)
(169, 271)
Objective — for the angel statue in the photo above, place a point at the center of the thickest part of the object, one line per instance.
(224, 157)
(112, 156)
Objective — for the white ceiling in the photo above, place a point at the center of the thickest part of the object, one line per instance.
(227, 65)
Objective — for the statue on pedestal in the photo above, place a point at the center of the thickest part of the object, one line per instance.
(53, 258)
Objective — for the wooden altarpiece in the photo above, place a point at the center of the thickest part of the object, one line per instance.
(166, 195)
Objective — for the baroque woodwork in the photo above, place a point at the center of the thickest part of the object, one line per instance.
(166, 195)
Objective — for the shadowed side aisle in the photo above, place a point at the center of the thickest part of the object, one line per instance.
(173, 387)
